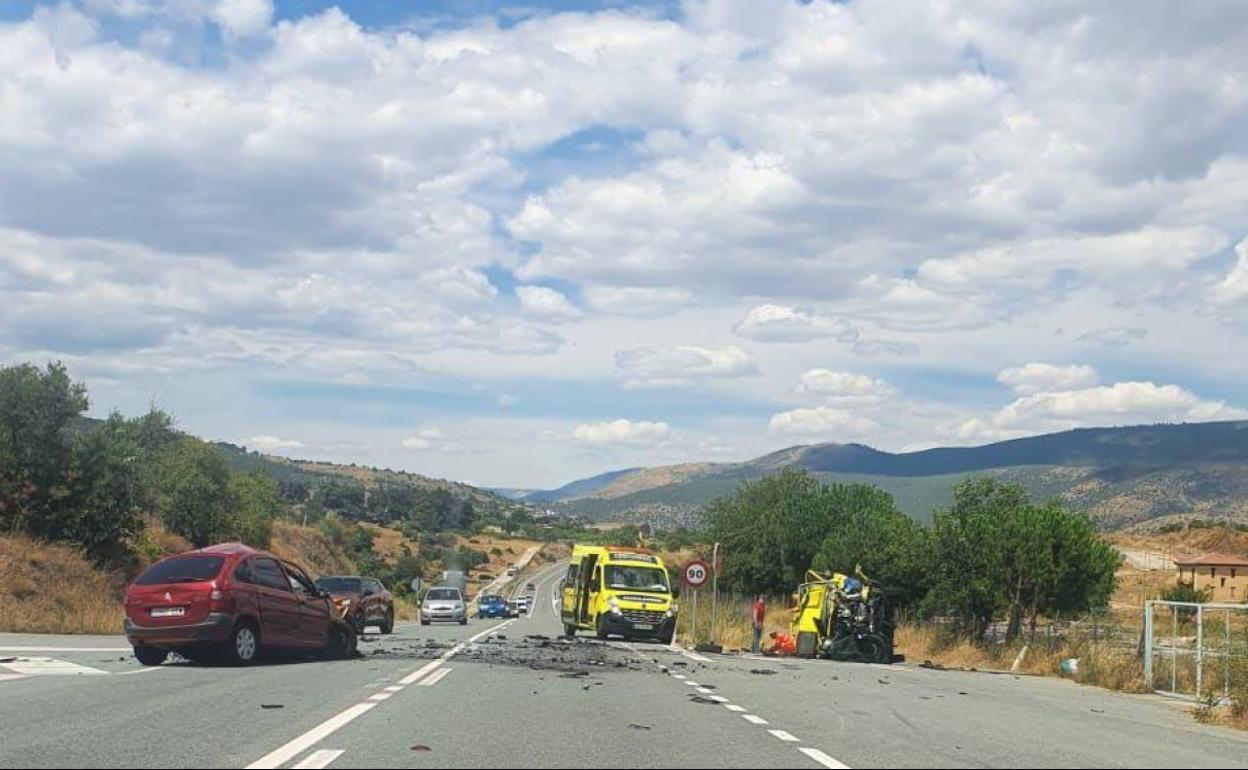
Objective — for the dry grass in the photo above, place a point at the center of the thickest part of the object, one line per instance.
(1100, 665)
(309, 548)
(405, 608)
(53, 589)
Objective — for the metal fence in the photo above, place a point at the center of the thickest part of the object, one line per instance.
(1195, 651)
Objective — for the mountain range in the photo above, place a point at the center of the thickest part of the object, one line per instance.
(1123, 476)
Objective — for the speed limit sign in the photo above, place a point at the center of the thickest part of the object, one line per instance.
(696, 574)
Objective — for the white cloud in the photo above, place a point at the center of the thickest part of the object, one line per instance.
(844, 388)
(781, 323)
(1234, 286)
(1123, 403)
(242, 18)
(636, 301)
(622, 432)
(272, 443)
(426, 438)
(546, 303)
(1033, 378)
(825, 422)
(682, 365)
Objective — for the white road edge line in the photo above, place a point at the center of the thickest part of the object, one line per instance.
(319, 759)
(294, 748)
(787, 737)
(435, 677)
(140, 671)
(823, 759)
(754, 720)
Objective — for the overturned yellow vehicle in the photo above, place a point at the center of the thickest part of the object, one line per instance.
(843, 618)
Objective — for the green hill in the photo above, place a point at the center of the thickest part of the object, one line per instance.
(1122, 476)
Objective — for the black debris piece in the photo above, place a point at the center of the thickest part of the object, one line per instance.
(272, 706)
(762, 671)
(638, 727)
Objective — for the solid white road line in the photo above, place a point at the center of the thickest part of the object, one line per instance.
(435, 677)
(309, 739)
(67, 649)
(784, 736)
(140, 671)
(319, 759)
(9, 677)
(49, 667)
(753, 719)
(735, 707)
(823, 759)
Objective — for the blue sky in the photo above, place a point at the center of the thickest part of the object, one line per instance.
(519, 243)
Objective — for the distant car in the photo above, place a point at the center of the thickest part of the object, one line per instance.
(530, 587)
(512, 570)
(230, 601)
(361, 601)
(443, 604)
(491, 607)
(522, 605)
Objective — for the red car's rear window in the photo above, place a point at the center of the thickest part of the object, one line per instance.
(182, 569)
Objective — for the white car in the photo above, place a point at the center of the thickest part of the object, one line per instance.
(522, 605)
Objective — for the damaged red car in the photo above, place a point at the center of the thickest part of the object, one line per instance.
(230, 602)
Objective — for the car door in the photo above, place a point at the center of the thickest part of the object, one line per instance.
(279, 608)
(315, 611)
(567, 595)
(587, 588)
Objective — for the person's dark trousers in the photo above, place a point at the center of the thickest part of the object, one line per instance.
(756, 642)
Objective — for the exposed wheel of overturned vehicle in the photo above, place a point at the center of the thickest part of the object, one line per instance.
(243, 646)
(150, 656)
(874, 648)
(342, 642)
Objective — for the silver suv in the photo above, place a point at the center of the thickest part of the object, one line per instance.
(443, 604)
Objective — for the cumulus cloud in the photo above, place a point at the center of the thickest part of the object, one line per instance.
(272, 443)
(242, 18)
(844, 388)
(622, 432)
(825, 422)
(781, 323)
(682, 365)
(1123, 403)
(1033, 378)
(546, 303)
(1234, 287)
(426, 438)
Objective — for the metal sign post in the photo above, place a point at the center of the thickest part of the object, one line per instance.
(714, 591)
(695, 574)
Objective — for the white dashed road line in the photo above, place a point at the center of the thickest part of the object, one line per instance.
(752, 719)
(782, 735)
(319, 759)
(823, 759)
(297, 746)
(435, 677)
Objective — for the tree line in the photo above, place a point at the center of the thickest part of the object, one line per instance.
(100, 483)
(993, 554)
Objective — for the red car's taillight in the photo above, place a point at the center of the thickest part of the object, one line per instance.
(216, 598)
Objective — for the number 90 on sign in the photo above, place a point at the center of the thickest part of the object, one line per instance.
(696, 573)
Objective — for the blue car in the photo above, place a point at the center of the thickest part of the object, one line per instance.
(491, 607)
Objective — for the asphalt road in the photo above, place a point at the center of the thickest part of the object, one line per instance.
(510, 694)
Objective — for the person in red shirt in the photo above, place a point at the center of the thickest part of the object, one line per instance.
(758, 613)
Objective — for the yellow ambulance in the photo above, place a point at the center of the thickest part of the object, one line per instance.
(618, 591)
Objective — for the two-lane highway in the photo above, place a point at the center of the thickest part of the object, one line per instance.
(512, 694)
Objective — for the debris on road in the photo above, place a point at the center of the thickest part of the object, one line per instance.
(700, 699)
(638, 727)
(421, 747)
(762, 671)
(272, 706)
